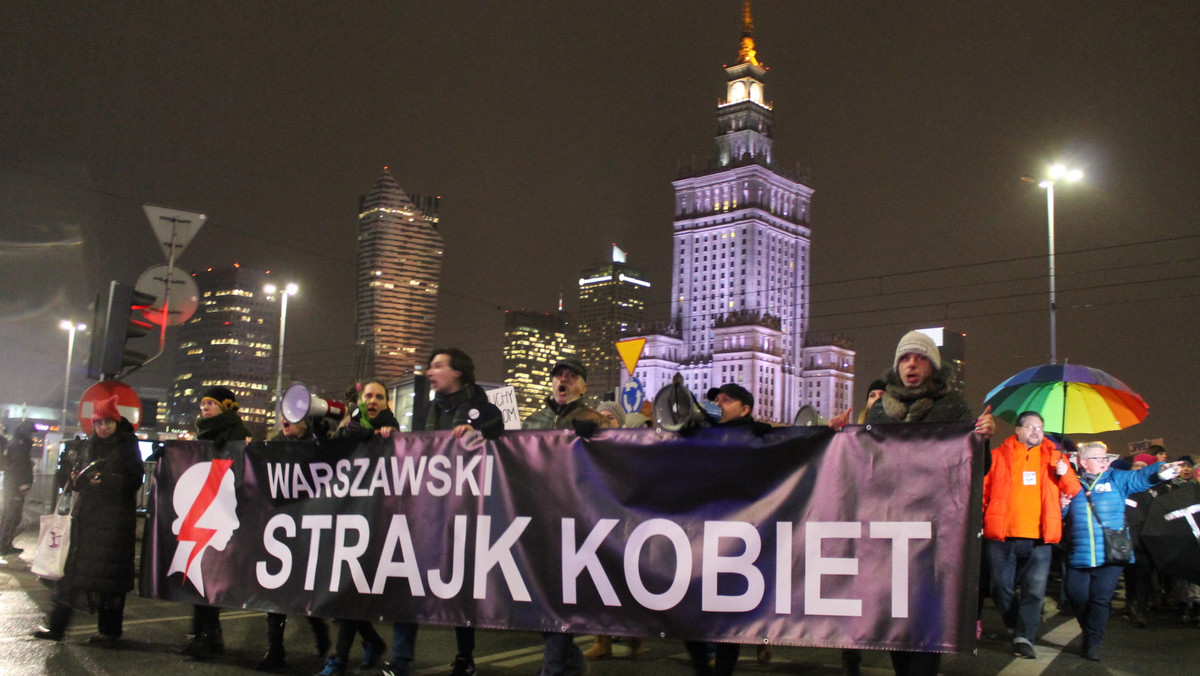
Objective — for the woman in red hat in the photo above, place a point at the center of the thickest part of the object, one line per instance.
(103, 535)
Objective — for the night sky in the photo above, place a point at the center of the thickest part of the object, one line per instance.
(552, 129)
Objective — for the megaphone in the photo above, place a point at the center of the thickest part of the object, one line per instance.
(675, 409)
(807, 416)
(297, 403)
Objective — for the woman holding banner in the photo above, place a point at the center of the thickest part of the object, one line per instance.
(218, 422)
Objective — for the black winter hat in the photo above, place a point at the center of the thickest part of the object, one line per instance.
(223, 396)
(571, 364)
(735, 391)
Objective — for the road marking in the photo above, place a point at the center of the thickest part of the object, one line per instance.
(1057, 638)
(229, 615)
(510, 658)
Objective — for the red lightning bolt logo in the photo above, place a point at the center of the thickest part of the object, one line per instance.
(189, 532)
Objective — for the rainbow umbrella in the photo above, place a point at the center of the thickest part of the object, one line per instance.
(1071, 399)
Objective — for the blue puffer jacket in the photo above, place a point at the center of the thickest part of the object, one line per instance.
(1109, 490)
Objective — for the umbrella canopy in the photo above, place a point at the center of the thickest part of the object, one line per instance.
(1072, 399)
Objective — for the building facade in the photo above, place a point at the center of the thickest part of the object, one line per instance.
(399, 268)
(230, 341)
(612, 306)
(533, 343)
(739, 289)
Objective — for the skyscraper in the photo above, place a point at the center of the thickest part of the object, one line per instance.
(230, 341)
(399, 266)
(533, 342)
(612, 306)
(739, 290)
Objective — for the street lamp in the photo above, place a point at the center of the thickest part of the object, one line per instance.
(70, 327)
(289, 290)
(1058, 172)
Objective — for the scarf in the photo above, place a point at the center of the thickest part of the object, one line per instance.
(217, 426)
(912, 404)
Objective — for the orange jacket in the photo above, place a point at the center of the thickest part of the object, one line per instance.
(997, 487)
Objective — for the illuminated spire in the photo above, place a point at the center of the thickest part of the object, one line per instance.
(747, 54)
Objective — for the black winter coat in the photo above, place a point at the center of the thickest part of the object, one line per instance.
(17, 465)
(468, 406)
(104, 532)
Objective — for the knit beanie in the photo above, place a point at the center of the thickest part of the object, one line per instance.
(106, 410)
(1146, 458)
(223, 396)
(915, 341)
(616, 410)
(635, 420)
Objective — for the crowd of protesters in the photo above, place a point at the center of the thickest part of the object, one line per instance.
(1044, 499)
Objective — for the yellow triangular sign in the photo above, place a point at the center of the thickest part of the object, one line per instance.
(630, 351)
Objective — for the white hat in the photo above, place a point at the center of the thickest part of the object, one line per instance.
(915, 341)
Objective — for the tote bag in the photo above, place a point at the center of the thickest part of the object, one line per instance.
(54, 540)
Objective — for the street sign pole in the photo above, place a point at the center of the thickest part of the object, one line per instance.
(175, 229)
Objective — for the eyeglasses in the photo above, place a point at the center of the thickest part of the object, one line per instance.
(1104, 458)
(1033, 428)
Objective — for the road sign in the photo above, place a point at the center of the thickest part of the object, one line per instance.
(182, 298)
(632, 395)
(174, 228)
(128, 403)
(630, 350)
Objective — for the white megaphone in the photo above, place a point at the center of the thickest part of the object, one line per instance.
(297, 403)
(807, 416)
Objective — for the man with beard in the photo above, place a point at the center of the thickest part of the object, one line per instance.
(1022, 518)
(918, 389)
(565, 409)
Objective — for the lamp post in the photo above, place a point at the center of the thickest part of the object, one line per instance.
(70, 327)
(1057, 172)
(289, 290)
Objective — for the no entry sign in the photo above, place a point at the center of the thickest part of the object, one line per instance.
(128, 403)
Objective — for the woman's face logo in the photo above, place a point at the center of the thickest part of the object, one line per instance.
(206, 516)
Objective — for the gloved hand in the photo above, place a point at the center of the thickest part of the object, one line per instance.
(586, 429)
(1168, 471)
(760, 428)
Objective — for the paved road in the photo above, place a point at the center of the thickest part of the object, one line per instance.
(154, 628)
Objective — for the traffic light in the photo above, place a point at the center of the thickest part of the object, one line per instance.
(119, 316)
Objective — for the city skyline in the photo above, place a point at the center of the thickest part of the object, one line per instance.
(551, 133)
(400, 255)
(740, 267)
(612, 306)
(231, 341)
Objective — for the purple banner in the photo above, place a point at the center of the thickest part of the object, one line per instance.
(864, 538)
